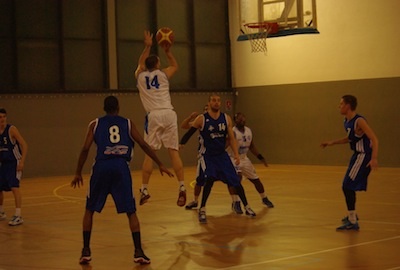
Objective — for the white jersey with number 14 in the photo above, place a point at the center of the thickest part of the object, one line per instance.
(154, 90)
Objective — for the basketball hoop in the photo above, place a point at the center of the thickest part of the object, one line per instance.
(257, 34)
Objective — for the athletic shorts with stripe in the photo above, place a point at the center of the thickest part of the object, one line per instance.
(356, 177)
(217, 167)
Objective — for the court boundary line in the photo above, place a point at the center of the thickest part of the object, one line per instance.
(66, 198)
(314, 253)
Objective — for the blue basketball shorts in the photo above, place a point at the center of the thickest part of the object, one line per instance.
(9, 176)
(356, 177)
(111, 176)
(218, 167)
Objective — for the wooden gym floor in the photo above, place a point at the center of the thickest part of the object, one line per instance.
(299, 233)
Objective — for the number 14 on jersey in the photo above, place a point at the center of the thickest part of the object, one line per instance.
(152, 83)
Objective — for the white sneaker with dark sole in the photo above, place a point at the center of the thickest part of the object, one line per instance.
(86, 256)
(16, 220)
(140, 258)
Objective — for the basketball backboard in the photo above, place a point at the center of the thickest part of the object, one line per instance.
(292, 16)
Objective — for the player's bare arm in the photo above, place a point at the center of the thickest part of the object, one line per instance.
(78, 180)
(198, 122)
(186, 122)
(333, 142)
(172, 63)
(363, 125)
(253, 149)
(232, 140)
(15, 135)
(148, 42)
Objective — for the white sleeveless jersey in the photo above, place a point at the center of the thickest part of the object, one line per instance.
(243, 141)
(154, 90)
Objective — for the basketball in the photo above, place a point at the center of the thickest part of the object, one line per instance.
(165, 36)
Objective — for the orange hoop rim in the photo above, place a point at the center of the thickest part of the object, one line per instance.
(259, 25)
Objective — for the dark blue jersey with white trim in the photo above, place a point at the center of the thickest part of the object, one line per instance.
(358, 143)
(9, 149)
(112, 135)
(213, 135)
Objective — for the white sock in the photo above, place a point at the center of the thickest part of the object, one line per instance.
(352, 216)
(181, 183)
(144, 186)
(18, 212)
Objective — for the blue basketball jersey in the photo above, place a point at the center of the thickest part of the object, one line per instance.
(213, 135)
(9, 150)
(358, 143)
(112, 134)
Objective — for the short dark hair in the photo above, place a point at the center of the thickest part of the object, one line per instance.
(151, 61)
(111, 104)
(351, 100)
(237, 115)
(2, 110)
(213, 95)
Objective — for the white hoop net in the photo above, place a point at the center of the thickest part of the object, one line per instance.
(257, 34)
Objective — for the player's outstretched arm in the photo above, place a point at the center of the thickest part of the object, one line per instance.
(148, 42)
(333, 142)
(172, 63)
(186, 122)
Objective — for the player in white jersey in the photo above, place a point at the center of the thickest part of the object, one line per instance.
(161, 128)
(244, 138)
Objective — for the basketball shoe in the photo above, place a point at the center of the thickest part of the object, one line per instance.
(85, 257)
(144, 196)
(191, 205)
(346, 219)
(237, 208)
(267, 202)
(250, 212)
(140, 258)
(181, 197)
(16, 220)
(202, 216)
(348, 226)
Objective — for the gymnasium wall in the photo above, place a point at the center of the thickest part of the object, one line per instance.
(290, 121)
(55, 126)
(291, 94)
